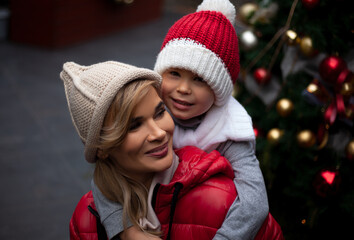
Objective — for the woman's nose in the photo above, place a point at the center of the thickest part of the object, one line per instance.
(156, 132)
(184, 87)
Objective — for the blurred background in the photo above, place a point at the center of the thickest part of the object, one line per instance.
(296, 83)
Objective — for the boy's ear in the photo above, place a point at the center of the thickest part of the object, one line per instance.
(101, 154)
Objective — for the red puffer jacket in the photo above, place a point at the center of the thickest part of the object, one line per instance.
(197, 199)
(85, 223)
(199, 196)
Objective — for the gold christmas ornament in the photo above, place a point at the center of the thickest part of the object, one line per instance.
(347, 89)
(284, 107)
(349, 150)
(324, 141)
(246, 11)
(265, 14)
(312, 88)
(248, 40)
(306, 46)
(274, 135)
(306, 138)
(235, 91)
(292, 37)
(349, 113)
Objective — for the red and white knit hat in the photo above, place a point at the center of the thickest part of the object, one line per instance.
(205, 42)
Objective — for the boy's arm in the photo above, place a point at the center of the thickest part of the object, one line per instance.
(111, 213)
(250, 208)
(111, 216)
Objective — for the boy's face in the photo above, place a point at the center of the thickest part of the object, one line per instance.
(186, 94)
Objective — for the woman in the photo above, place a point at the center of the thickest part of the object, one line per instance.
(127, 141)
(119, 115)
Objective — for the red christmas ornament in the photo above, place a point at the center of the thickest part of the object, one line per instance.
(327, 182)
(331, 67)
(262, 75)
(310, 4)
(256, 132)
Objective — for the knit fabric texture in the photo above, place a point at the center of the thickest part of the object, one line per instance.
(90, 91)
(204, 42)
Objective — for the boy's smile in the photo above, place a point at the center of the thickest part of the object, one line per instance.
(180, 104)
(186, 94)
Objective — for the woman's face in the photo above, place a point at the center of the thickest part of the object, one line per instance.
(147, 148)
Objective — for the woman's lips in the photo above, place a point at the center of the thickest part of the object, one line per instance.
(180, 104)
(159, 152)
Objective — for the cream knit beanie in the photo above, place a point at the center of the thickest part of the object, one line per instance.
(90, 91)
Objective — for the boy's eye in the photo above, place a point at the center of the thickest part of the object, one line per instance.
(199, 79)
(174, 73)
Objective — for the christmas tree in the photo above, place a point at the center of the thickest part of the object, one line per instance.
(297, 85)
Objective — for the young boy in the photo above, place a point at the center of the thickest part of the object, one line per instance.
(199, 63)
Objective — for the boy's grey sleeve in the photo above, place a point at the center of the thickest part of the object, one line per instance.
(111, 213)
(250, 208)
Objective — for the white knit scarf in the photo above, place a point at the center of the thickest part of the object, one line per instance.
(228, 122)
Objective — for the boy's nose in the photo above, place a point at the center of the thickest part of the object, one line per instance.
(184, 88)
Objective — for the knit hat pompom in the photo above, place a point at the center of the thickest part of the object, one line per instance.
(223, 6)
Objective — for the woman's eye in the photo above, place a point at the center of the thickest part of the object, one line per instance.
(134, 125)
(160, 113)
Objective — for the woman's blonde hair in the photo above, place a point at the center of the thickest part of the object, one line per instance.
(114, 184)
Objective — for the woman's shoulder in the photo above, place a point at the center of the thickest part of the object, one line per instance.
(83, 221)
